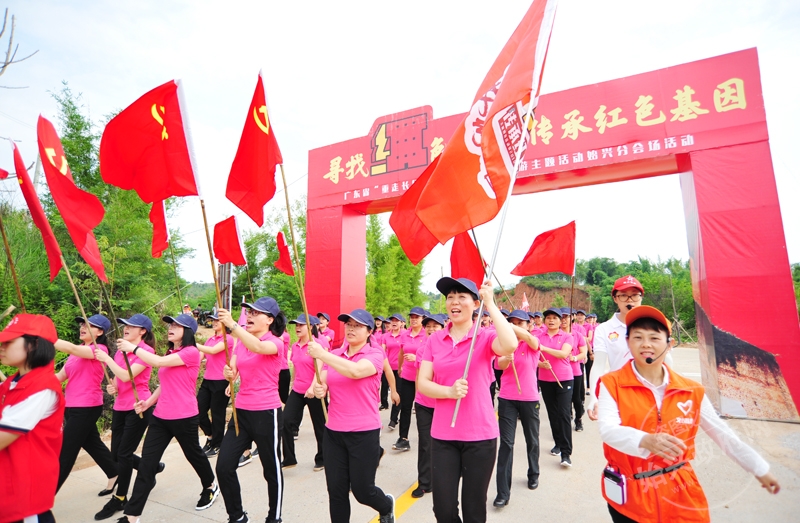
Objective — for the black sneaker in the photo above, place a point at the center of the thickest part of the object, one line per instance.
(207, 497)
(207, 446)
(384, 407)
(211, 452)
(578, 426)
(243, 519)
(392, 425)
(245, 459)
(565, 461)
(402, 444)
(388, 518)
(285, 465)
(381, 456)
(555, 451)
(161, 467)
(272, 520)
(419, 492)
(318, 467)
(254, 453)
(113, 506)
(500, 501)
(533, 484)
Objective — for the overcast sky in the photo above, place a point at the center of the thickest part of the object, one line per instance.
(332, 68)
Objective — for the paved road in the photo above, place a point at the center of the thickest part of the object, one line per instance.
(564, 495)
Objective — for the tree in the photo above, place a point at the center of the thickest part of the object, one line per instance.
(11, 49)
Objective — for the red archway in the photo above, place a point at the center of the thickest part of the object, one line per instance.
(704, 120)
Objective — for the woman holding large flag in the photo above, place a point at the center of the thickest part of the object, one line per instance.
(256, 361)
(468, 450)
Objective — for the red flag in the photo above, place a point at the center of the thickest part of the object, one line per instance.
(465, 261)
(37, 213)
(478, 160)
(3, 174)
(81, 210)
(552, 251)
(251, 183)
(158, 217)
(228, 243)
(415, 239)
(525, 305)
(146, 147)
(284, 262)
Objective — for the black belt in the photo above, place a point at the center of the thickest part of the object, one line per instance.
(658, 472)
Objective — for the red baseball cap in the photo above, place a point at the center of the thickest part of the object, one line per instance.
(627, 282)
(646, 311)
(32, 325)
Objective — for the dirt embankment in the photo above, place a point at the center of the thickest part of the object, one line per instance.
(540, 300)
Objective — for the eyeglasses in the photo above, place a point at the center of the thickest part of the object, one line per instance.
(353, 327)
(630, 297)
(253, 312)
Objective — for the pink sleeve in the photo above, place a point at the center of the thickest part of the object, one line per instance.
(376, 358)
(190, 356)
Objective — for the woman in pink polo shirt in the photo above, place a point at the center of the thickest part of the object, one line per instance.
(84, 399)
(468, 450)
(175, 415)
(555, 382)
(351, 445)
(127, 427)
(381, 326)
(302, 394)
(411, 341)
(211, 395)
(576, 359)
(256, 362)
(324, 318)
(391, 347)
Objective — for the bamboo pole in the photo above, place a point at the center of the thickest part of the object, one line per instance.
(300, 281)
(219, 306)
(249, 282)
(115, 323)
(11, 265)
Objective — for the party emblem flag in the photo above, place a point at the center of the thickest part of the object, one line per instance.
(251, 183)
(146, 147)
(284, 262)
(81, 210)
(228, 243)
(477, 163)
(465, 261)
(51, 246)
(158, 217)
(552, 251)
(3, 174)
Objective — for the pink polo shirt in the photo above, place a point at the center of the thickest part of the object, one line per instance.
(287, 342)
(578, 341)
(215, 363)
(178, 398)
(411, 345)
(354, 402)
(525, 360)
(304, 365)
(259, 374)
(84, 381)
(329, 333)
(125, 399)
(476, 419)
(561, 367)
(392, 344)
(420, 397)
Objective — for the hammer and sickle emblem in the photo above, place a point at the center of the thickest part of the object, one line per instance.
(262, 126)
(154, 111)
(51, 155)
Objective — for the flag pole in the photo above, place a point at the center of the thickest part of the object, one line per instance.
(6, 312)
(503, 213)
(300, 283)
(249, 282)
(115, 323)
(219, 306)
(175, 270)
(11, 265)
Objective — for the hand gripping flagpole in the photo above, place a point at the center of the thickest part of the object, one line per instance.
(503, 213)
(301, 284)
(115, 323)
(219, 306)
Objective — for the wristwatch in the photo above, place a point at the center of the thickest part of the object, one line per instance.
(134, 351)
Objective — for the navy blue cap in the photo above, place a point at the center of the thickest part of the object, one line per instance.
(580, 311)
(591, 315)
(537, 314)
(379, 317)
(324, 315)
(301, 320)
(419, 311)
(315, 321)
(184, 320)
(435, 317)
(397, 316)
(485, 312)
(553, 310)
(98, 320)
(361, 316)
(447, 284)
(564, 310)
(505, 312)
(137, 320)
(266, 305)
(520, 315)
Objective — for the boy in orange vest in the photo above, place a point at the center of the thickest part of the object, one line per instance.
(648, 416)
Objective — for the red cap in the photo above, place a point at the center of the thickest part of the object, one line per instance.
(32, 325)
(627, 282)
(646, 311)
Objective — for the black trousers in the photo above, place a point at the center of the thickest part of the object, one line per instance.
(578, 395)
(618, 517)
(407, 390)
(127, 429)
(80, 431)
(424, 421)
(263, 427)
(395, 408)
(508, 412)
(587, 371)
(284, 380)
(471, 462)
(351, 460)
(384, 391)
(292, 415)
(211, 396)
(159, 434)
(558, 401)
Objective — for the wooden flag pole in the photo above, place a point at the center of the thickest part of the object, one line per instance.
(219, 306)
(6, 312)
(249, 282)
(11, 265)
(115, 323)
(175, 270)
(300, 282)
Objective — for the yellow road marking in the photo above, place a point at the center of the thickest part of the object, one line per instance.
(401, 504)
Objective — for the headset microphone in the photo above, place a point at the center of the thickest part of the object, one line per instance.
(630, 307)
(650, 360)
